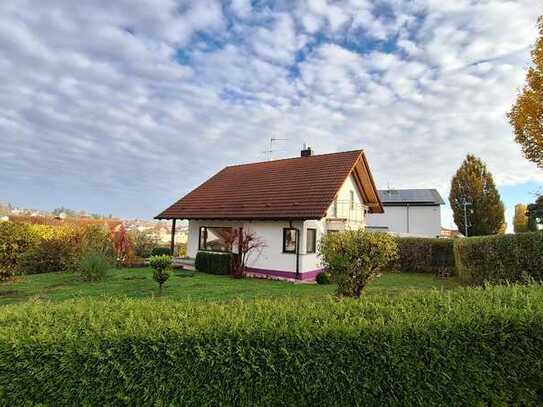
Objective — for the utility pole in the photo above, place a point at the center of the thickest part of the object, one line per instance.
(466, 204)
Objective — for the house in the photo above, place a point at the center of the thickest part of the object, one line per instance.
(289, 204)
(410, 212)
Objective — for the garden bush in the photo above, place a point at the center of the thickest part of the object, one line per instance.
(94, 266)
(160, 266)
(324, 277)
(143, 242)
(466, 347)
(161, 251)
(425, 255)
(214, 263)
(354, 257)
(15, 239)
(49, 256)
(500, 258)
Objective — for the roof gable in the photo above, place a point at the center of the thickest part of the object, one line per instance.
(294, 188)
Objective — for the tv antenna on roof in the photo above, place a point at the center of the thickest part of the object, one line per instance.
(269, 152)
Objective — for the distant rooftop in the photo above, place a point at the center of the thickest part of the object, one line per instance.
(400, 197)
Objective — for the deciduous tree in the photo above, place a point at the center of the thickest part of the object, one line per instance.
(526, 115)
(473, 184)
(520, 220)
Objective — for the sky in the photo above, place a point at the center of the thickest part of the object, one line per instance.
(121, 107)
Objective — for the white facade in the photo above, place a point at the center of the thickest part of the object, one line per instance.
(412, 220)
(347, 213)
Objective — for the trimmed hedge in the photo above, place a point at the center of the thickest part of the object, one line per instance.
(467, 347)
(425, 255)
(161, 251)
(214, 263)
(500, 258)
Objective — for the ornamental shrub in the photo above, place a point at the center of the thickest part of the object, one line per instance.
(143, 243)
(354, 257)
(94, 266)
(500, 258)
(49, 256)
(324, 277)
(160, 264)
(425, 255)
(15, 239)
(215, 263)
(469, 347)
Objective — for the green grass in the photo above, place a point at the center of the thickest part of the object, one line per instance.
(138, 283)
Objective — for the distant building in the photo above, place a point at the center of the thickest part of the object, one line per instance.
(409, 212)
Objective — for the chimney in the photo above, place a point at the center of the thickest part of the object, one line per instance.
(306, 151)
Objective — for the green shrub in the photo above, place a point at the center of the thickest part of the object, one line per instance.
(94, 266)
(160, 264)
(143, 243)
(324, 277)
(354, 257)
(466, 347)
(96, 239)
(47, 256)
(425, 255)
(500, 258)
(214, 263)
(161, 251)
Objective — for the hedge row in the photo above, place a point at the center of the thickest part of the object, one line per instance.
(214, 263)
(468, 347)
(425, 255)
(500, 258)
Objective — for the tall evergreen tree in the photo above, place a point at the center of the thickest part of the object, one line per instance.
(473, 184)
(520, 220)
(526, 115)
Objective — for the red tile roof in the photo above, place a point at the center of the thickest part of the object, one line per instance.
(293, 188)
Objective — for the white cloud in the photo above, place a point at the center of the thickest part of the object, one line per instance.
(132, 103)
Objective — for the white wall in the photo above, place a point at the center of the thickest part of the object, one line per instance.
(270, 257)
(355, 218)
(413, 220)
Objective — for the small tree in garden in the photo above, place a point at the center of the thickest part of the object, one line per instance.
(248, 243)
(122, 245)
(160, 265)
(354, 257)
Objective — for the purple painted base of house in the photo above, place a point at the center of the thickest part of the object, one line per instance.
(283, 275)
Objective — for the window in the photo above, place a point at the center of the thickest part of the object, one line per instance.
(351, 196)
(289, 240)
(311, 241)
(216, 239)
(334, 209)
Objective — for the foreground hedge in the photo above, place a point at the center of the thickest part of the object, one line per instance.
(467, 347)
(500, 258)
(214, 263)
(425, 255)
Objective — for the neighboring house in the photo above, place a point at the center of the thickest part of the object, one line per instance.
(409, 212)
(289, 204)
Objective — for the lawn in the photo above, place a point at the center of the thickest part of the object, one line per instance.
(138, 283)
